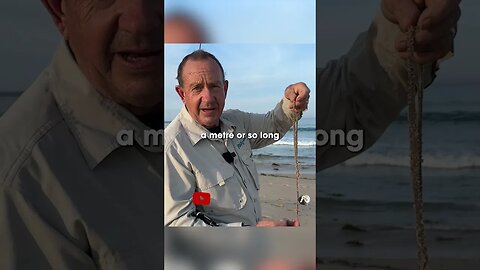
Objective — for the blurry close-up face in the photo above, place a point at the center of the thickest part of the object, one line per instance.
(183, 29)
(203, 90)
(118, 46)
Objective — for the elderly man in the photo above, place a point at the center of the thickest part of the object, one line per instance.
(71, 197)
(229, 174)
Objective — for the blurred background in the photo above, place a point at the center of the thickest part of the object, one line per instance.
(276, 27)
(365, 217)
(28, 42)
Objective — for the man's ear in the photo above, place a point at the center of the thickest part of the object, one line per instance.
(180, 92)
(225, 87)
(56, 8)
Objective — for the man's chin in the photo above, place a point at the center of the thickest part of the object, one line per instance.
(140, 101)
(146, 108)
(210, 123)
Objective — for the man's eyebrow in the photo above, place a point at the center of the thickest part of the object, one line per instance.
(196, 84)
(214, 83)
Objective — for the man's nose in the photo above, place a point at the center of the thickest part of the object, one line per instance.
(207, 95)
(141, 16)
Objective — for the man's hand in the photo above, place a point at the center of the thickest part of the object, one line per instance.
(436, 22)
(279, 223)
(298, 93)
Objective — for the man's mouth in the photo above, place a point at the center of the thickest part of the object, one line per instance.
(136, 57)
(208, 110)
(140, 59)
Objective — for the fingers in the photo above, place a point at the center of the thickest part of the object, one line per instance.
(425, 36)
(428, 52)
(431, 43)
(435, 33)
(436, 11)
(424, 13)
(279, 223)
(299, 95)
(405, 13)
(424, 39)
(265, 223)
(299, 106)
(272, 223)
(282, 223)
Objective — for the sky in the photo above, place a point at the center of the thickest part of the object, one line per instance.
(257, 73)
(264, 46)
(252, 21)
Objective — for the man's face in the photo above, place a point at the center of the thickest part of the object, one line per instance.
(203, 91)
(118, 46)
(181, 29)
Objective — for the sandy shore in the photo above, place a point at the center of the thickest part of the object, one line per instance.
(359, 233)
(350, 246)
(397, 264)
(365, 219)
(278, 193)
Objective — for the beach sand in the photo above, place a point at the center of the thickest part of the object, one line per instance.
(397, 264)
(365, 219)
(362, 248)
(278, 193)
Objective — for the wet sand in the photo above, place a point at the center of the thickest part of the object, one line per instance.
(278, 195)
(365, 219)
(351, 246)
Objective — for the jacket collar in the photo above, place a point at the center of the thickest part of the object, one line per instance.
(93, 119)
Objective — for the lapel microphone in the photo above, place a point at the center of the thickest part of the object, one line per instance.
(202, 216)
(229, 156)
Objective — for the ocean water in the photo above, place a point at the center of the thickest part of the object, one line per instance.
(374, 189)
(451, 133)
(381, 197)
(6, 100)
(282, 151)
